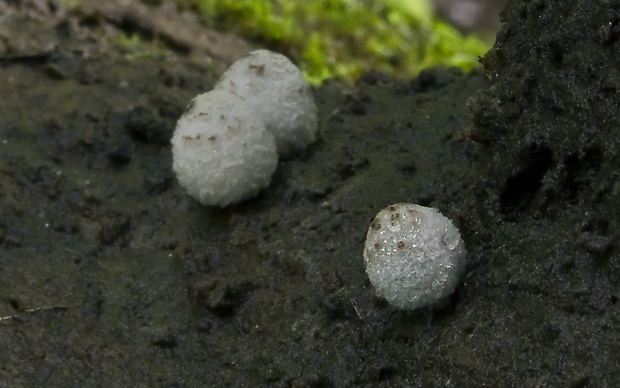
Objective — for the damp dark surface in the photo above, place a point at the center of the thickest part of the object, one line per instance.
(110, 275)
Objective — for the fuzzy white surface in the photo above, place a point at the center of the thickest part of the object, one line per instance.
(222, 152)
(414, 255)
(275, 87)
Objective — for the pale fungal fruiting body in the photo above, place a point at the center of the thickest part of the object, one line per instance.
(275, 87)
(414, 255)
(221, 150)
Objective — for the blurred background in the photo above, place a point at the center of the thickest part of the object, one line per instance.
(345, 38)
(327, 38)
(472, 16)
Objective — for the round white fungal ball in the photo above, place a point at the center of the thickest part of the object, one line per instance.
(221, 150)
(275, 87)
(414, 255)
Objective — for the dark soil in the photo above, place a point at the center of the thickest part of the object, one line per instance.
(110, 275)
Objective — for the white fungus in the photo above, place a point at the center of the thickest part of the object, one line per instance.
(414, 255)
(275, 87)
(221, 150)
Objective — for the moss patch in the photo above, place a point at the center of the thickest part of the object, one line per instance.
(344, 38)
(135, 47)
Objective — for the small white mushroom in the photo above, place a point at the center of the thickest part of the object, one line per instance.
(414, 255)
(221, 150)
(275, 87)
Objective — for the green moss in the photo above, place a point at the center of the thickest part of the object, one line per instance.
(344, 38)
(135, 47)
(70, 4)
